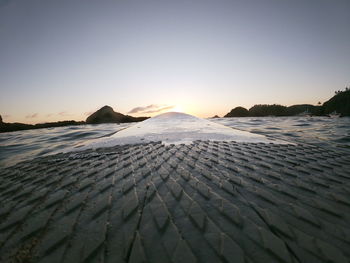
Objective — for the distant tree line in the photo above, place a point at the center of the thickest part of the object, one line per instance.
(339, 103)
(340, 91)
(263, 110)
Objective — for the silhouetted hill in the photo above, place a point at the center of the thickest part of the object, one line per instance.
(301, 108)
(238, 112)
(262, 110)
(339, 103)
(107, 115)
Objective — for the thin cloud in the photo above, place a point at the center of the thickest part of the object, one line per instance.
(143, 109)
(64, 113)
(88, 113)
(160, 109)
(153, 108)
(32, 116)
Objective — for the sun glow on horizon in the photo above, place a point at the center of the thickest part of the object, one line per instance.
(178, 108)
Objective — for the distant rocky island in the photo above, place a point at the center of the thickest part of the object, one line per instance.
(16, 126)
(104, 115)
(340, 104)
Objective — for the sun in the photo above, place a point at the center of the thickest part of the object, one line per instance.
(177, 108)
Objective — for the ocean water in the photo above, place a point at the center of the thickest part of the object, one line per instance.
(324, 132)
(24, 145)
(328, 133)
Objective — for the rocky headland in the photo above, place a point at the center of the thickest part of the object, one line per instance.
(104, 115)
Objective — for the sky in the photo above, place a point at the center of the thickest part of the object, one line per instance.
(64, 59)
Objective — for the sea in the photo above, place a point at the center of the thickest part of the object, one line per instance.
(325, 132)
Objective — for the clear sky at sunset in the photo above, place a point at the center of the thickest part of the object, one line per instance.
(64, 59)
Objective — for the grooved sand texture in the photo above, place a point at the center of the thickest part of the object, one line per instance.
(204, 202)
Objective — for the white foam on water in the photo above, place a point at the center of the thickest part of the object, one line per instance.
(177, 128)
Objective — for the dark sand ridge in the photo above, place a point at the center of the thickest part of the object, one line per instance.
(208, 201)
